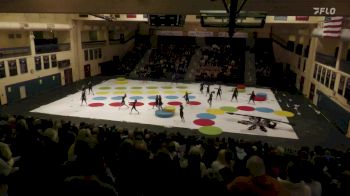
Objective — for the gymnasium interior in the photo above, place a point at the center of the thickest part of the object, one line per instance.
(255, 97)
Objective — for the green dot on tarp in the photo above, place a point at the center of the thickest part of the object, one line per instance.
(210, 130)
(228, 109)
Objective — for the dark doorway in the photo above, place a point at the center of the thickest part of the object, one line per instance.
(68, 76)
(87, 70)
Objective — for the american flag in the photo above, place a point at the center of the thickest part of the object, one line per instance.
(332, 26)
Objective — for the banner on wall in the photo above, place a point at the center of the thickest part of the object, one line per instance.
(236, 35)
(200, 34)
(302, 18)
(23, 65)
(46, 62)
(54, 60)
(170, 33)
(37, 60)
(280, 18)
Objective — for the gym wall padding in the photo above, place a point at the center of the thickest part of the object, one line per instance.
(335, 113)
(33, 87)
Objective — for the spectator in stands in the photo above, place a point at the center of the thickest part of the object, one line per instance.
(258, 183)
(294, 183)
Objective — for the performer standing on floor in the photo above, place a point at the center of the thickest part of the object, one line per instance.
(252, 97)
(160, 102)
(187, 99)
(123, 102)
(210, 100)
(218, 93)
(182, 113)
(208, 89)
(202, 87)
(134, 107)
(235, 94)
(83, 97)
(156, 102)
(90, 87)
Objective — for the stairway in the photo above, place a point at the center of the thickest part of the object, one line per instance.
(250, 72)
(194, 64)
(142, 62)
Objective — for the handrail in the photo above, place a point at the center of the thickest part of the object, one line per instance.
(280, 41)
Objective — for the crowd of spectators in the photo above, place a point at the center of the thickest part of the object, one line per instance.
(218, 63)
(45, 157)
(168, 61)
(133, 57)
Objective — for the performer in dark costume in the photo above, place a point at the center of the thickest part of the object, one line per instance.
(83, 88)
(123, 102)
(218, 93)
(235, 94)
(83, 97)
(90, 87)
(134, 107)
(208, 89)
(210, 100)
(160, 102)
(182, 113)
(202, 87)
(252, 97)
(187, 99)
(156, 102)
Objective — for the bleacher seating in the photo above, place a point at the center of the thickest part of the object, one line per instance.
(45, 157)
(222, 61)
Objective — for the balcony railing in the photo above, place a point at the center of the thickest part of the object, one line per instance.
(326, 59)
(92, 44)
(48, 48)
(14, 52)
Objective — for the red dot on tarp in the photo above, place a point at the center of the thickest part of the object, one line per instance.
(137, 104)
(246, 108)
(194, 103)
(96, 104)
(152, 103)
(175, 103)
(204, 122)
(116, 104)
(258, 98)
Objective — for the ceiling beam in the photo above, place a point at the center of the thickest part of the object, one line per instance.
(272, 7)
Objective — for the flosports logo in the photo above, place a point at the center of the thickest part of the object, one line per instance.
(324, 10)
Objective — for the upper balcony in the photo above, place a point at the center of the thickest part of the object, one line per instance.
(326, 59)
(49, 48)
(14, 52)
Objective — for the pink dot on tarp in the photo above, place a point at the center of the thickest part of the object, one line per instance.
(204, 122)
(96, 104)
(246, 108)
(174, 103)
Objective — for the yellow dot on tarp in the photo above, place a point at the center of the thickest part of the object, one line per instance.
(121, 82)
(184, 91)
(169, 92)
(151, 87)
(169, 108)
(120, 88)
(284, 113)
(215, 111)
(119, 92)
(136, 92)
(166, 87)
(102, 93)
(121, 78)
(152, 92)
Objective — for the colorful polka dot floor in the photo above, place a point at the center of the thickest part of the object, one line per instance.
(106, 104)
